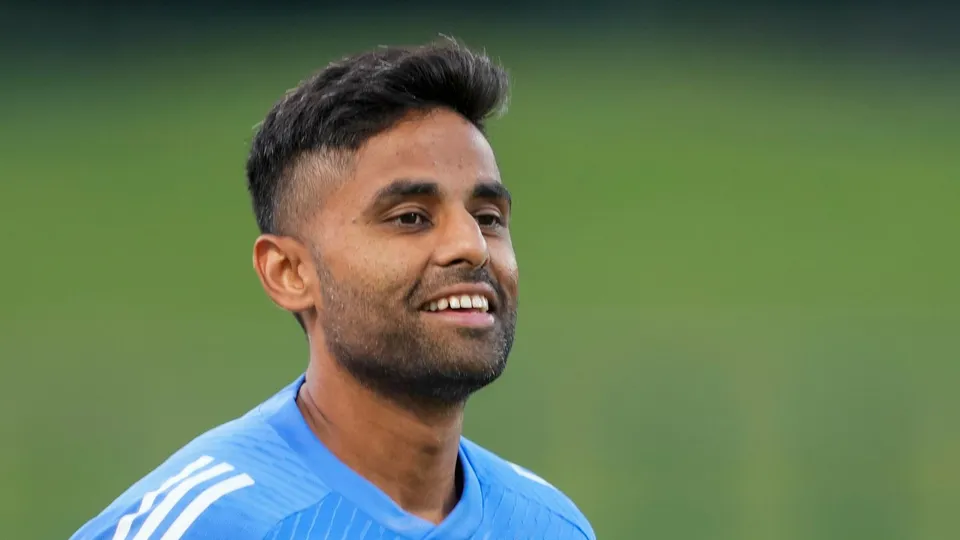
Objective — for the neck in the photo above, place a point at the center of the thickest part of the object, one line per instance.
(409, 453)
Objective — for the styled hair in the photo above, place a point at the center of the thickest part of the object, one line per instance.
(351, 100)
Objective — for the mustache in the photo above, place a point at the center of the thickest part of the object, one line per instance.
(460, 276)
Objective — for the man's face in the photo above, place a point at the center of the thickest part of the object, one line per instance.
(416, 234)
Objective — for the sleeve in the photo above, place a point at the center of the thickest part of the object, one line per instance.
(203, 506)
(215, 513)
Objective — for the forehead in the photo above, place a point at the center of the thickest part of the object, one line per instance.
(441, 147)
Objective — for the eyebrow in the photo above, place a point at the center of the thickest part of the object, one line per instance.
(401, 189)
(494, 191)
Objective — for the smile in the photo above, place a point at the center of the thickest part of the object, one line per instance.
(464, 302)
(469, 306)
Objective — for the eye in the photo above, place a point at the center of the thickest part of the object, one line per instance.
(410, 219)
(489, 220)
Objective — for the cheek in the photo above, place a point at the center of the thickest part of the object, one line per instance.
(373, 272)
(505, 265)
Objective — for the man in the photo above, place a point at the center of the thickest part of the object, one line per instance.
(385, 231)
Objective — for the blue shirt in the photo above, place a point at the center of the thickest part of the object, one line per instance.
(266, 476)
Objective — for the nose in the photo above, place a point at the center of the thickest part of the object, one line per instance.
(461, 241)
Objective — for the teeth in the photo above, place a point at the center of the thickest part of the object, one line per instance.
(464, 301)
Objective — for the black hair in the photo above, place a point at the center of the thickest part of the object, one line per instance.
(356, 98)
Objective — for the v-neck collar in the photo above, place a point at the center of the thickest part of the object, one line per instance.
(288, 422)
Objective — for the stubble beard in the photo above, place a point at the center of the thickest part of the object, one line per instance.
(399, 358)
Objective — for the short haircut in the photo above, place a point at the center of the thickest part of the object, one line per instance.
(335, 111)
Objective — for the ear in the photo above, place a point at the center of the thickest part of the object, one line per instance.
(286, 271)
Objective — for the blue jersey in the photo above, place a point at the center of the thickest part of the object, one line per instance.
(266, 476)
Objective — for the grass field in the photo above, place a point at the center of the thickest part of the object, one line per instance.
(739, 302)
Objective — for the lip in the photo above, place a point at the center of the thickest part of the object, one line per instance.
(468, 319)
(469, 289)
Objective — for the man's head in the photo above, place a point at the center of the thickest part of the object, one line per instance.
(383, 217)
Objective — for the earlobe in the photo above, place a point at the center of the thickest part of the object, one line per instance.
(279, 261)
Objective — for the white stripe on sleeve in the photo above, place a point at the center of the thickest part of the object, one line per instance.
(202, 502)
(160, 512)
(123, 526)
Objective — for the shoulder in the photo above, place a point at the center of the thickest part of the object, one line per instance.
(235, 481)
(496, 472)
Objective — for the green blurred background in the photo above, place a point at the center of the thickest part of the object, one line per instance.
(738, 247)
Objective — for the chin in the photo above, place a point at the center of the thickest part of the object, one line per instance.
(451, 389)
(456, 378)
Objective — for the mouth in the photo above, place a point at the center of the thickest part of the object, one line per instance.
(467, 307)
(459, 302)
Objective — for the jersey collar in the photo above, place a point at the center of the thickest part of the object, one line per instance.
(287, 420)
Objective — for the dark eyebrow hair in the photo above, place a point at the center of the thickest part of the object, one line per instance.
(493, 191)
(406, 188)
(403, 188)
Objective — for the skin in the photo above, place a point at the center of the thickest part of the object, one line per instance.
(421, 209)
